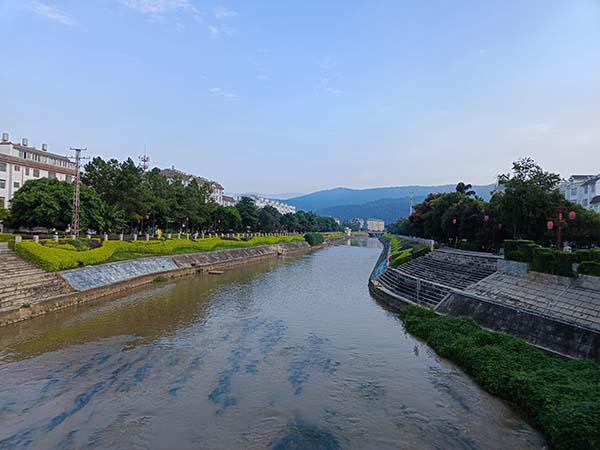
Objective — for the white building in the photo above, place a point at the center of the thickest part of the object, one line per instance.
(216, 188)
(22, 162)
(358, 222)
(228, 201)
(376, 225)
(261, 202)
(584, 190)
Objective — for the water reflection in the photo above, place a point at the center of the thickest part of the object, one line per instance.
(284, 354)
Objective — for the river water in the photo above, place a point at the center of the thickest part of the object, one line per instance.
(281, 354)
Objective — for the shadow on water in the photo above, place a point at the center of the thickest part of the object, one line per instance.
(285, 354)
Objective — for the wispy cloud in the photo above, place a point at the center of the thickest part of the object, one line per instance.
(52, 13)
(221, 12)
(216, 31)
(157, 9)
(329, 78)
(218, 92)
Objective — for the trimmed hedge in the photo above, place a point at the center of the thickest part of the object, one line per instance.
(7, 237)
(314, 238)
(589, 268)
(54, 258)
(561, 395)
(403, 250)
(550, 261)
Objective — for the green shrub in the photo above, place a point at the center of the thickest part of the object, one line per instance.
(589, 268)
(551, 261)
(561, 395)
(471, 246)
(521, 250)
(7, 237)
(314, 238)
(54, 258)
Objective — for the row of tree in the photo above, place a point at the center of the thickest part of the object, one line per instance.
(120, 196)
(528, 199)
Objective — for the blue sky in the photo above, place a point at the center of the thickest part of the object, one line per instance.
(296, 96)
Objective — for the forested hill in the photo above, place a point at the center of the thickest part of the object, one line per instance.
(388, 203)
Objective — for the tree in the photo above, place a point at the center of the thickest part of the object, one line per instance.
(289, 222)
(248, 213)
(226, 219)
(530, 196)
(47, 203)
(268, 219)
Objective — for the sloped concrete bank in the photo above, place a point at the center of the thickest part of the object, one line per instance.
(564, 325)
(96, 282)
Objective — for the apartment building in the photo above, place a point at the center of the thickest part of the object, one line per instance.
(377, 225)
(283, 208)
(216, 188)
(584, 190)
(20, 162)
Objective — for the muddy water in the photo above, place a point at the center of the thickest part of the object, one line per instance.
(285, 354)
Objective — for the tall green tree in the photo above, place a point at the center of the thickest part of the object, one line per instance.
(248, 212)
(268, 219)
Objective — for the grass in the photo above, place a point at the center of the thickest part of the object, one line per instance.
(560, 395)
(53, 258)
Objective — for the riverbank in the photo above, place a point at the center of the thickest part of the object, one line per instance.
(561, 395)
(101, 281)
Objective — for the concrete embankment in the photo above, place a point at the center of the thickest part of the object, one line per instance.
(558, 314)
(95, 282)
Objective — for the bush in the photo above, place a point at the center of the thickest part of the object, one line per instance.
(561, 395)
(471, 246)
(53, 258)
(403, 250)
(550, 261)
(314, 238)
(7, 237)
(589, 268)
(519, 250)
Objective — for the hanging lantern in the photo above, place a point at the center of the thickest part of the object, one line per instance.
(499, 226)
(486, 218)
(454, 221)
(550, 225)
(572, 215)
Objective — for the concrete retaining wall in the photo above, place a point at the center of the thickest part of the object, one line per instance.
(542, 331)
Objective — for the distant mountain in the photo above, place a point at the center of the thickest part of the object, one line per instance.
(320, 200)
(282, 196)
(388, 209)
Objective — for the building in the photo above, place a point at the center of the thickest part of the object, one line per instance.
(261, 202)
(216, 188)
(584, 190)
(377, 225)
(228, 201)
(22, 162)
(358, 223)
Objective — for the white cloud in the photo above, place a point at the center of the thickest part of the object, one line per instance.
(223, 13)
(159, 8)
(52, 13)
(216, 31)
(218, 92)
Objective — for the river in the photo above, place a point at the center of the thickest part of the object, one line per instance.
(284, 354)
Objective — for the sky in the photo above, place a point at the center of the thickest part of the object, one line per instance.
(298, 96)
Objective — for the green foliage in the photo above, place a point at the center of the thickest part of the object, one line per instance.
(403, 250)
(519, 250)
(561, 395)
(53, 259)
(268, 219)
(314, 238)
(248, 213)
(551, 261)
(7, 237)
(160, 279)
(589, 268)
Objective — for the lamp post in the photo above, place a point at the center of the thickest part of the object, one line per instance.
(558, 221)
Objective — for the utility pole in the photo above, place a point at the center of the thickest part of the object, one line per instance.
(410, 208)
(76, 190)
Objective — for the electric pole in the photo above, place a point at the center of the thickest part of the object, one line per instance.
(76, 191)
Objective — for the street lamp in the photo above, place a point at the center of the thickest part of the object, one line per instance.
(558, 221)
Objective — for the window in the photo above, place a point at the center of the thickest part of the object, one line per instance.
(27, 171)
(16, 185)
(585, 189)
(585, 202)
(36, 173)
(22, 154)
(17, 168)
(52, 175)
(2, 184)
(2, 167)
(68, 178)
(573, 192)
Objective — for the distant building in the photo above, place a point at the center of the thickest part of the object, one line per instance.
(216, 189)
(228, 201)
(584, 190)
(261, 202)
(22, 162)
(358, 223)
(376, 225)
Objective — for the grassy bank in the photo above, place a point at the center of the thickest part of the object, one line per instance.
(562, 396)
(66, 256)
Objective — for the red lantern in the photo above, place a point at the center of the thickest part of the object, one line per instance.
(390, 258)
(572, 215)
(454, 221)
(550, 225)
(486, 218)
(499, 226)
